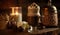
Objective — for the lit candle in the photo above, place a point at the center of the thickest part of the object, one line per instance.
(20, 14)
(17, 11)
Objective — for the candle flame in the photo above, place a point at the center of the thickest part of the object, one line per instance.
(16, 13)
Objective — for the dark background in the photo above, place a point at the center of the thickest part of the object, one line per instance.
(8, 3)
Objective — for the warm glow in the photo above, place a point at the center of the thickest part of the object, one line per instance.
(14, 11)
(12, 14)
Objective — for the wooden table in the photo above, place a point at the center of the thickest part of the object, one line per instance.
(53, 30)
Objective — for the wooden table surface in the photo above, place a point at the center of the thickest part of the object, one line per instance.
(11, 32)
(40, 31)
(44, 30)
